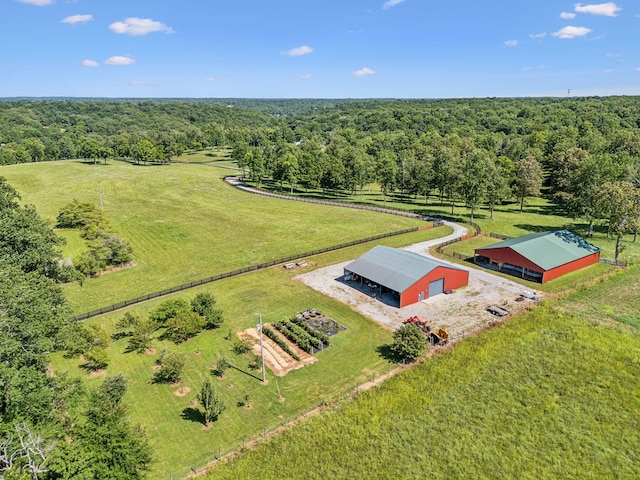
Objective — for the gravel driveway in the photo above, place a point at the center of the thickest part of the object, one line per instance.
(460, 313)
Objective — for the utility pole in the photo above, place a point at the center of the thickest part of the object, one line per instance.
(259, 327)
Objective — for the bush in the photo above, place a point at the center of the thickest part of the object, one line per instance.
(96, 359)
(204, 304)
(281, 343)
(183, 326)
(241, 346)
(141, 336)
(168, 310)
(171, 365)
(409, 342)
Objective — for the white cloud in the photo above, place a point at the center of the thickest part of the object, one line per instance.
(73, 19)
(567, 15)
(297, 51)
(89, 63)
(511, 43)
(391, 3)
(572, 32)
(638, 69)
(609, 9)
(525, 69)
(210, 79)
(136, 83)
(538, 35)
(119, 60)
(39, 3)
(306, 76)
(139, 26)
(609, 70)
(363, 72)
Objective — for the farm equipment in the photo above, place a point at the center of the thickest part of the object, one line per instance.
(419, 322)
(439, 338)
(435, 338)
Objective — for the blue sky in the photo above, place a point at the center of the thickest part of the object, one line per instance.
(318, 48)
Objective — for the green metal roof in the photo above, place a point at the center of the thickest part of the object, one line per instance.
(393, 268)
(548, 249)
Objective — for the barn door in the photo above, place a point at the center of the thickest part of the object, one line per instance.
(436, 287)
(421, 296)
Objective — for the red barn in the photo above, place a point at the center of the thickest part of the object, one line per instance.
(410, 276)
(540, 256)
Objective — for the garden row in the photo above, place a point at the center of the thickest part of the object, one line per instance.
(299, 332)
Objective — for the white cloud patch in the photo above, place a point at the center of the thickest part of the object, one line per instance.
(73, 19)
(364, 71)
(210, 79)
(119, 60)
(572, 32)
(511, 43)
(136, 27)
(38, 3)
(297, 51)
(306, 76)
(567, 15)
(89, 63)
(391, 3)
(609, 9)
(137, 83)
(538, 35)
(525, 69)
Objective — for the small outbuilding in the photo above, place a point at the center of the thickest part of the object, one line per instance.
(409, 276)
(540, 256)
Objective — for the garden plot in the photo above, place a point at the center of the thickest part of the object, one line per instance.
(278, 361)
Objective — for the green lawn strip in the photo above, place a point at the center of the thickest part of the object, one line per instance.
(352, 359)
(214, 154)
(75, 244)
(526, 400)
(468, 247)
(615, 299)
(184, 223)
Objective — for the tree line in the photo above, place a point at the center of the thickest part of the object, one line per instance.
(51, 426)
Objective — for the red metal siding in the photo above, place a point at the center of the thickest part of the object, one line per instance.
(571, 266)
(453, 279)
(507, 255)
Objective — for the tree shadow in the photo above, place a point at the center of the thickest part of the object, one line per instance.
(385, 352)
(193, 415)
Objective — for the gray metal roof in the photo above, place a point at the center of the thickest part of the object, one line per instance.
(393, 268)
(548, 249)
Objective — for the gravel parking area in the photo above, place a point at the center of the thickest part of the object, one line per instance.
(460, 313)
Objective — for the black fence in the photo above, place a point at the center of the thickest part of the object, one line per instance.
(235, 273)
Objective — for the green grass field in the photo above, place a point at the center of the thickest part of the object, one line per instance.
(539, 215)
(184, 223)
(544, 396)
(351, 360)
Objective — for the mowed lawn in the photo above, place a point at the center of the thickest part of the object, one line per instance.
(184, 223)
(544, 396)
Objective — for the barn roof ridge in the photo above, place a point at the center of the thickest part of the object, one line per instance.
(399, 268)
(548, 249)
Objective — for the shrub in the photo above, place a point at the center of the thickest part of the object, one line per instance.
(171, 365)
(96, 359)
(183, 326)
(204, 304)
(168, 310)
(409, 342)
(281, 343)
(241, 346)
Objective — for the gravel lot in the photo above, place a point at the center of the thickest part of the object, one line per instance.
(460, 313)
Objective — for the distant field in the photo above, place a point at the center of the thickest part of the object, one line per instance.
(545, 396)
(184, 223)
(539, 215)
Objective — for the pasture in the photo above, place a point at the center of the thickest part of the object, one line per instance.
(544, 396)
(167, 418)
(184, 223)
